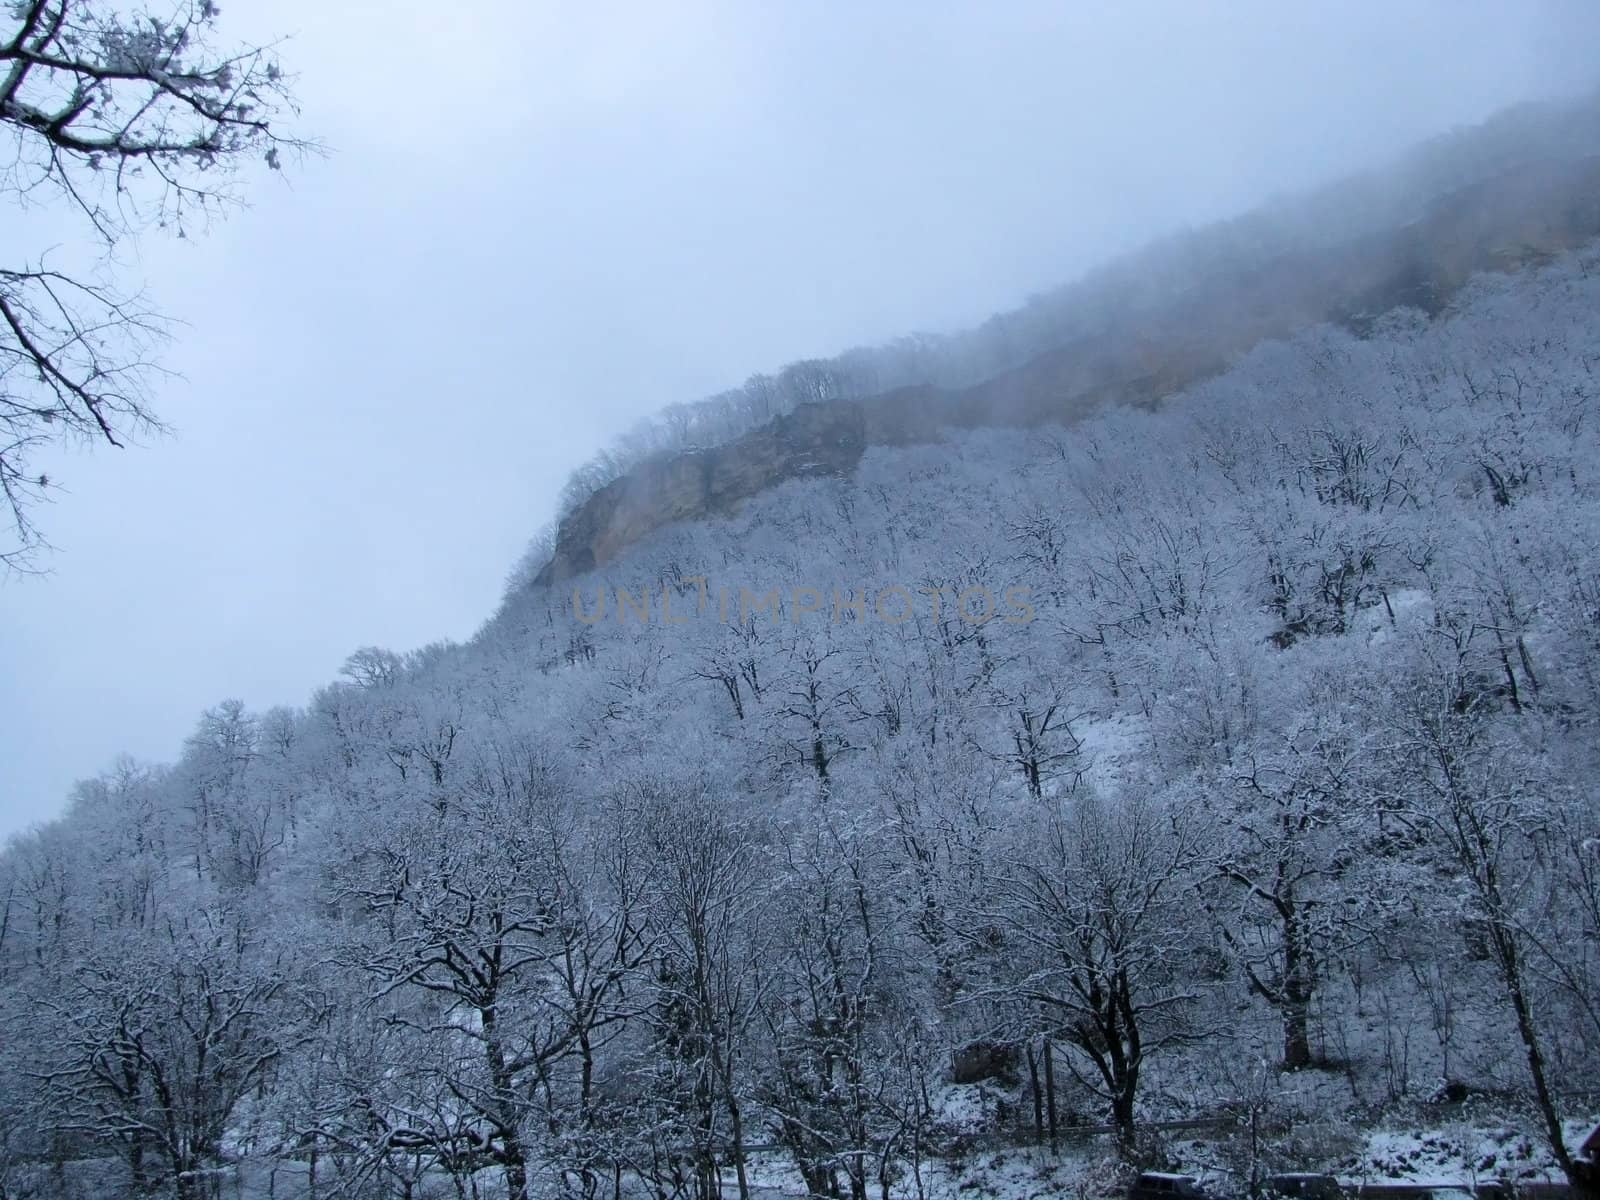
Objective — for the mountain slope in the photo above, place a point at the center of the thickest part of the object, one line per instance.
(1228, 758)
(1139, 331)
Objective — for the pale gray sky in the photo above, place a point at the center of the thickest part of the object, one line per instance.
(542, 222)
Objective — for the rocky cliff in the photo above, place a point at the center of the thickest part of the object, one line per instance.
(1133, 353)
(815, 439)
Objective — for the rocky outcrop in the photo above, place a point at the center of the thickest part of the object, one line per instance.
(1135, 354)
(815, 439)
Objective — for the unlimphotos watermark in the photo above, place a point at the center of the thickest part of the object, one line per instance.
(894, 604)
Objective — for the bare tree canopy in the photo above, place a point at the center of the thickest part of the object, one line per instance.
(128, 116)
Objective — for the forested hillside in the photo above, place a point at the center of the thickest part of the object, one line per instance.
(1234, 755)
(1502, 195)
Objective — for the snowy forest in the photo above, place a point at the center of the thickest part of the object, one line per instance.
(1233, 757)
(1203, 782)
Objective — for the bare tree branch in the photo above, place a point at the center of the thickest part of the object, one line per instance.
(128, 118)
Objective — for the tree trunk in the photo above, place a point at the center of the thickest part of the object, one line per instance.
(736, 1127)
(1050, 1095)
(1122, 1118)
(1296, 1034)
(516, 1170)
(1038, 1096)
(1511, 972)
(1296, 998)
(512, 1158)
(140, 1177)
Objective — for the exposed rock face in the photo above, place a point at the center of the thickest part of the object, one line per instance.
(1134, 354)
(815, 439)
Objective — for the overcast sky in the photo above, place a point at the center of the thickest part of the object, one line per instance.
(541, 222)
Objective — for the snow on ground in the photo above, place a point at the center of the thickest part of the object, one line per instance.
(1403, 607)
(1026, 1173)
(1465, 1152)
(1108, 745)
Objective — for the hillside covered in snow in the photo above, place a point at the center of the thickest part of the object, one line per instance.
(1225, 757)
